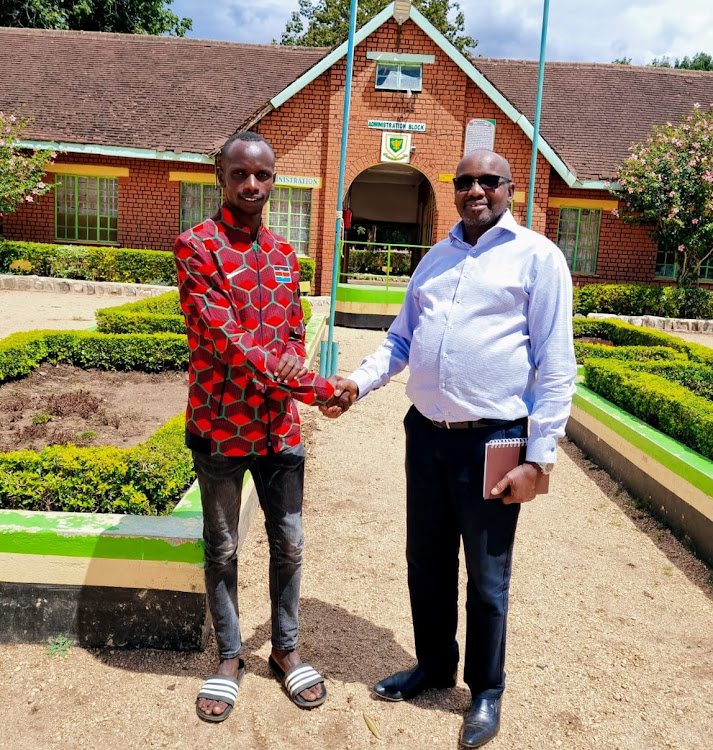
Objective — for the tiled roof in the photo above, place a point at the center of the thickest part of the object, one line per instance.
(592, 113)
(140, 91)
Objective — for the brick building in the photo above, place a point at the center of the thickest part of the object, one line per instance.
(137, 119)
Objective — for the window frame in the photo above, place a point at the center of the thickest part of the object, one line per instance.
(203, 213)
(576, 250)
(706, 273)
(112, 234)
(290, 189)
(399, 66)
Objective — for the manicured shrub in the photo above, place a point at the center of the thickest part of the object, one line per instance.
(629, 353)
(120, 265)
(669, 407)
(149, 478)
(154, 315)
(21, 353)
(639, 300)
(307, 266)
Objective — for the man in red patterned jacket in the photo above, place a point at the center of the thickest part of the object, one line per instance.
(239, 289)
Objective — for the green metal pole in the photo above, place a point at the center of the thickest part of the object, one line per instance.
(328, 363)
(538, 108)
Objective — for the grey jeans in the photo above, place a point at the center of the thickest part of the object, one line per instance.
(279, 480)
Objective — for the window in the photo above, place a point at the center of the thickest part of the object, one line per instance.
(578, 238)
(398, 76)
(198, 201)
(707, 269)
(86, 208)
(667, 268)
(290, 215)
(665, 263)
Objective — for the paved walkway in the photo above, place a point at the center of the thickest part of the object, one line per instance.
(610, 641)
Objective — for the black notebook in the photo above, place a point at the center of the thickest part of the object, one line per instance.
(501, 456)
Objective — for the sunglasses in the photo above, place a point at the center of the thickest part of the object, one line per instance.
(486, 181)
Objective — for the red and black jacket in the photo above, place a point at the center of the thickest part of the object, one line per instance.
(241, 302)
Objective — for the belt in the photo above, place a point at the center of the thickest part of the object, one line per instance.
(473, 424)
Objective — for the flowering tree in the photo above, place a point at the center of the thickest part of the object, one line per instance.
(21, 171)
(667, 183)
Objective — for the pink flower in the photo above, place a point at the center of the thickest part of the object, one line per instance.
(681, 248)
(694, 221)
(708, 176)
(29, 198)
(631, 190)
(697, 105)
(671, 194)
(13, 118)
(41, 185)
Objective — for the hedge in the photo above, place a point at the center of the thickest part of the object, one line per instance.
(153, 315)
(21, 353)
(95, 263)
(666, 406)
(625, 334)
(638, 299)
(629, 353)
(121, 265)
(149, 478)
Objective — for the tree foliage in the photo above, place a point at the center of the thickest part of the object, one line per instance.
(699, 61)
(21, 171)
(667, 183)
(325, 23)
(123, 16)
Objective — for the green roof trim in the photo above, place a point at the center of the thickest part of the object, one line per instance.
(125, 151)
(326, 62)
(492, 93)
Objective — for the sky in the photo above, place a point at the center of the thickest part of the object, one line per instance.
(578, 30)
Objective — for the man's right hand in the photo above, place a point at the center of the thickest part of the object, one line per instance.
(345, 394)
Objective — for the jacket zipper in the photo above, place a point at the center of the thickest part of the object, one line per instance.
(262, 337)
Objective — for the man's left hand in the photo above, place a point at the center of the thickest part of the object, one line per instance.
(518, 484)
(290, 367)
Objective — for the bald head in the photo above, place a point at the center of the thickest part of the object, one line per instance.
(486, 162)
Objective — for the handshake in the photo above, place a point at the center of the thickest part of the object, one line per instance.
(345, 394)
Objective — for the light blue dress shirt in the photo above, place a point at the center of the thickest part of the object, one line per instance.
(486, 331)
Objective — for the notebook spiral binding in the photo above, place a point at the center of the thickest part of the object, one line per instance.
(507, 442)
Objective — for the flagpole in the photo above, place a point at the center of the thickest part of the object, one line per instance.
(329, 349)
(538, 108)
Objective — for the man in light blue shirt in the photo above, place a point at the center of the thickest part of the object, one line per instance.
(486, 330)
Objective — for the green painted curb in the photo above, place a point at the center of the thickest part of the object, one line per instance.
(678, 458)
(377, 295)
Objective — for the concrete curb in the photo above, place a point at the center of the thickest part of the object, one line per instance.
(81, 286)
(686, 325)
(676, 481)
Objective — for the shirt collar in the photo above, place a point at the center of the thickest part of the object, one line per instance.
(227, 217)
(506, 223)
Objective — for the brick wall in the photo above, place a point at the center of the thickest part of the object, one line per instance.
(626, 252)
(149, 205)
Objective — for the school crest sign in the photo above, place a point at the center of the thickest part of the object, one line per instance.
(396, 147)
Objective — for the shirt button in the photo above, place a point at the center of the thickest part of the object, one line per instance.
(458, 300)
(445, 356)
(465, 275)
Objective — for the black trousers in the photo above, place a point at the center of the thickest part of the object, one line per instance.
(444, 475)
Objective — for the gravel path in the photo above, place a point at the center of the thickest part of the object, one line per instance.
(610, 643)
(27, 311)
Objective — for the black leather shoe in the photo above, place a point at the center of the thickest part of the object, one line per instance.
(409, 683)
(482, 722)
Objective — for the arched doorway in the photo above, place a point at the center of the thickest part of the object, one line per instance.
(391, 210)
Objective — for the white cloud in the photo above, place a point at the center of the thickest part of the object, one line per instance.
(593, 31)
